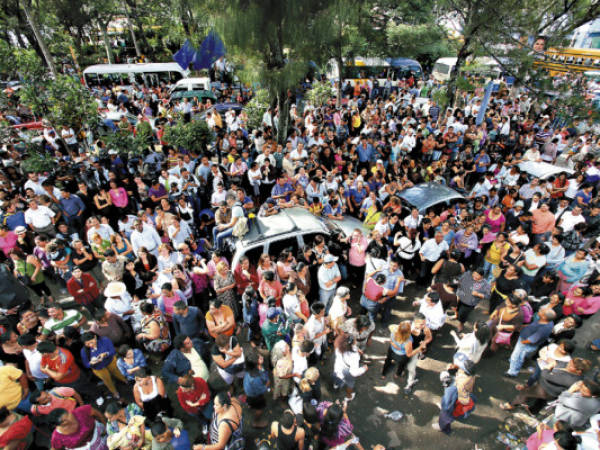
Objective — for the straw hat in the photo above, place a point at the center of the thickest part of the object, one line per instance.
(114, 289)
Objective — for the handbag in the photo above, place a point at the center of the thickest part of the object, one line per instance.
(503, 337)
(23, 278)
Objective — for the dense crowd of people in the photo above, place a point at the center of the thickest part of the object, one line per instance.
(127, 321)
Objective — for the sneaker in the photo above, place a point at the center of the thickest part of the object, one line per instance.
(336, 386)
(204, 429)
(352, 397)
(508, 375)
(531, 369)
(436, 426)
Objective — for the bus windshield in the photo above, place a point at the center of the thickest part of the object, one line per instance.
(442, 68)
(362, 72)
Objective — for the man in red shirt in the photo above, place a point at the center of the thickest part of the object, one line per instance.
(58, 363)
(84, 289)
(194, 397)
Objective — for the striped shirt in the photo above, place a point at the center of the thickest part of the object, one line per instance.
(71, 317)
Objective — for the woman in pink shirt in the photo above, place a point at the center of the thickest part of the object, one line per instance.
(581, 301)
(8, 240)
(495, 219)
(118, 195)
(356, 256)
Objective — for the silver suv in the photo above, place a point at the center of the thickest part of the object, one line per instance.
(289, 229)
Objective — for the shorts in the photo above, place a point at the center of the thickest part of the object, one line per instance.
(281, 387)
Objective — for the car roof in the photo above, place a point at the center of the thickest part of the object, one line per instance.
(289, 220)
(543, 170)
(426, 195)
(192, 80)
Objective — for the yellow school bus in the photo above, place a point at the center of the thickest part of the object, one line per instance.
(562, 60)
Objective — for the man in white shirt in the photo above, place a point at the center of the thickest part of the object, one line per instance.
(35, 183)
(430, 253)
(179, 231)
(68, 135)
(34, 359)
(104, 230)
(299, 154)
(408, 142)
(40, 218)
(144, 236)
(220, 232)
(569, 219)
(126, 224)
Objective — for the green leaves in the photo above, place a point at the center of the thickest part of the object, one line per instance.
(193, 136)
(320, 93)
(256, 107)
(61, 101)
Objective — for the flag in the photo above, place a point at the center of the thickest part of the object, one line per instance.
(484, 103)
(185, 55)
(211, 49)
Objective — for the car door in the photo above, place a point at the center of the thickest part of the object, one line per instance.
(277, 246)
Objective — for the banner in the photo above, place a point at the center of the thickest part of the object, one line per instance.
(185, 55)
(211, 49)
(484, 103)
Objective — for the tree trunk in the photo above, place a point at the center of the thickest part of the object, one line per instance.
(109, 53)
(283, 106)
(461, 57)
(138, 53)
(340, 62)
(39, 39)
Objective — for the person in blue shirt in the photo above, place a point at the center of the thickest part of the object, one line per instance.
(72, 208)
(13, 218)
(394, 284)
(332, 210)
(365, 152)
(98, 354)
(357, 195)
(170, 434)
(482, 161)
(188, 320)
(282, 189)
(531, 338)
(256, 384)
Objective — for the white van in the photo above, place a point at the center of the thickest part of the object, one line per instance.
(192, 84)
(443, 67)
(102, 76)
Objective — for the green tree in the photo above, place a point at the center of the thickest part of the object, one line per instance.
(193, 136)
(494, 28)
(62, 101)
(282, 37)
(256, 107)
(319, 93)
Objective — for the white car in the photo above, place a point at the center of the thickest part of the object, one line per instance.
(191, 84)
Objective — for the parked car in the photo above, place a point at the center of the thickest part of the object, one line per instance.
(292, 228)
(428, 195)
(543, 170)
(191, 84)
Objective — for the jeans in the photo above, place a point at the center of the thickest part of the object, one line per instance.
(371, 307)
(527, 281)
(520, 352)
(386, 309)
(24, 406)
(326, 297)
(488, 269)
(219, 236)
